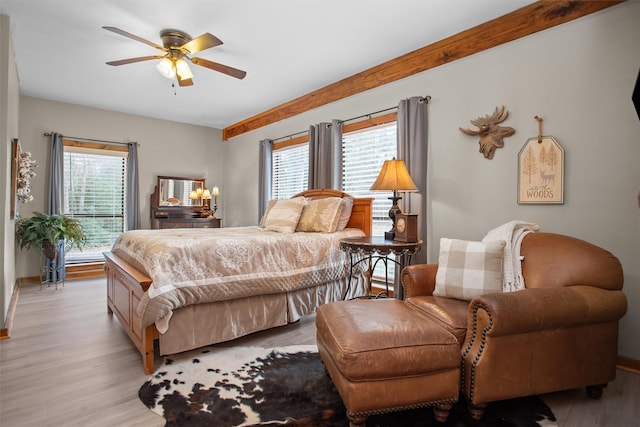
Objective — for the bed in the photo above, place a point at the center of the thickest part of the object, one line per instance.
(182, 308)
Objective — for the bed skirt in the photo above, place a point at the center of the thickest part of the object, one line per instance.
(200, 325)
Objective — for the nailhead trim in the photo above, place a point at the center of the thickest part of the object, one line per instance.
(466, 352)
(401, 408)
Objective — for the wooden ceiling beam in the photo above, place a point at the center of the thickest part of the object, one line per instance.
(528, 20)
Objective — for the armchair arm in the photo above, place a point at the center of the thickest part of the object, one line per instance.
(539, 340)
(541, 309)
(419, 279)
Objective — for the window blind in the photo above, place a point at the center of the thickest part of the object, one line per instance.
(363, 154)
(94, 193)
(290, 173)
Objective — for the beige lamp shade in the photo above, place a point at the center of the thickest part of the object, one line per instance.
(394, 176)
(206, 195)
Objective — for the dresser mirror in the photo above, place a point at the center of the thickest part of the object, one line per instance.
(179, 202)
(177, 192)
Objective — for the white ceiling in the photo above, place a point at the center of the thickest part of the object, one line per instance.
(287, 47)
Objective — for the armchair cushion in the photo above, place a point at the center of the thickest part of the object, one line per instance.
(469, 269)
(450, 313)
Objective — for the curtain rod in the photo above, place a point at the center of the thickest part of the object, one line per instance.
(426, 98)
(94, 140)
(369, 115)
(289, 136)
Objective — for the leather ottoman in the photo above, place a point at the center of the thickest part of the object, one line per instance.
(384, 356)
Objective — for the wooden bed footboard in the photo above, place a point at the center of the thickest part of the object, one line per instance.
(125, 287)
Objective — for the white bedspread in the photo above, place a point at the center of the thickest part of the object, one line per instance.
(190, 266)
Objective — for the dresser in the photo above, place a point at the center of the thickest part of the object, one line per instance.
(181, 214)
(185, 223)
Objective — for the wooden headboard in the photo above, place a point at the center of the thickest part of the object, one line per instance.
(362, 213)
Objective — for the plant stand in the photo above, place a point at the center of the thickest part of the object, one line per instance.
(50, 272)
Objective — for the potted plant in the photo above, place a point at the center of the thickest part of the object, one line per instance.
(43, 231)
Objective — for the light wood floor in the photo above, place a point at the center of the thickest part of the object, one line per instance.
(68, 363)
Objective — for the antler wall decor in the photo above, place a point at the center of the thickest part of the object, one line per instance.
(491, 135)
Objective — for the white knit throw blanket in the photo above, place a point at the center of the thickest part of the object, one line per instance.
(512, 233)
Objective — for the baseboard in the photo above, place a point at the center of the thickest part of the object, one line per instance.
(5, 333)
(377, 288)
(31, 280)
(85, 271)
(628, 364)
(73, 272)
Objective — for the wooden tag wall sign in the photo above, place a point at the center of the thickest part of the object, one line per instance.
(541, 171)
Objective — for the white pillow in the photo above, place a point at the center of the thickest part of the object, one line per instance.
(266, 212)
(321, 215)
(284, 215)
(345, 216)
(468, 269)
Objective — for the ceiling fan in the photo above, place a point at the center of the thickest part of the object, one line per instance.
(178, 47)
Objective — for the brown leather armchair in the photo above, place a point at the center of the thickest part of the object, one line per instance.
(561, 332)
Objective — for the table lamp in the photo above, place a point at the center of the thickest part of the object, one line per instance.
(395, 177)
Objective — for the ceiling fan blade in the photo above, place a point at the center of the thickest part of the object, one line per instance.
(225, 69)
(132, 60)
(202, 42)
(184, 82)
(134, 37)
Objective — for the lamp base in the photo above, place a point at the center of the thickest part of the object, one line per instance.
(391, 234)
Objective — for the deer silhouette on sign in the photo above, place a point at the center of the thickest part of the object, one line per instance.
(491, 135)
(547, 178)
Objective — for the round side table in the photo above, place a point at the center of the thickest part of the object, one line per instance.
(367, 248)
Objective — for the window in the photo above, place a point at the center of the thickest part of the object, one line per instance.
(94, 192)
(290, 174)
(365, 147)
(363, 153)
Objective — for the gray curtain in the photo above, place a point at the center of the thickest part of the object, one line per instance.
(325, 155)
(336, 156)
(413, 149)
(55, 271)
(133, 188)
(264, 178)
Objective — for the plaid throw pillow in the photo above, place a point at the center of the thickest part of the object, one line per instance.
(468, 269)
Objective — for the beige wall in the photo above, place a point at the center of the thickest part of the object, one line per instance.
(166, 148)
(9, 100)
(579, 77)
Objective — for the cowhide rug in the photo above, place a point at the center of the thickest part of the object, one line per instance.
(249, 386)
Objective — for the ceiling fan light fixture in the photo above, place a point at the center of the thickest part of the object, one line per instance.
(183, 70)
(177, 48)
(166, 68)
